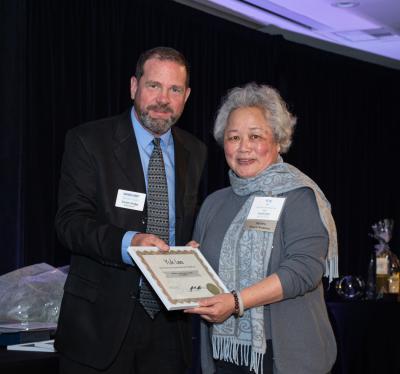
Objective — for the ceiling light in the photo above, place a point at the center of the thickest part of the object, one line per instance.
(346, 4)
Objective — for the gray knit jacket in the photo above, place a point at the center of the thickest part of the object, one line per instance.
(302, 337)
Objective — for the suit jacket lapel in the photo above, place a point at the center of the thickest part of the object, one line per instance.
(181, 163)
(127, 153)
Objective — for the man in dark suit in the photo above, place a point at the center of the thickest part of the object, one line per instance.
(102, 325)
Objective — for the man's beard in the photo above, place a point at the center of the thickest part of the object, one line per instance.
(156, 126)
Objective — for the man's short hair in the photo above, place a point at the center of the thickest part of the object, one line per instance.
(162, 53)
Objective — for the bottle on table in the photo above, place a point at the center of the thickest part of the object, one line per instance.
(394, 275)
(382, 269)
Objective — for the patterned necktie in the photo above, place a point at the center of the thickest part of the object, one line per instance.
(157, 219)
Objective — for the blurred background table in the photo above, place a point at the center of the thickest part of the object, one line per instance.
(367, 335)
(23, 362)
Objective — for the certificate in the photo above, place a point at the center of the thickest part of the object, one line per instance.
(180, 277)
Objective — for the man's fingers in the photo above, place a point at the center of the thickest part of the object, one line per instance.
(149, 240)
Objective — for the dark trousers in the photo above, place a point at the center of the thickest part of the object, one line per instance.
(151, 346)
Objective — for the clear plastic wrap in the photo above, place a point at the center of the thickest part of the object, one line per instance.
(32, 293)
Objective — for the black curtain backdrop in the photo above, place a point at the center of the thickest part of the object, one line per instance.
(66, 62)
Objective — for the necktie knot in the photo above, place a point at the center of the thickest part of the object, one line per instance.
(156, 142)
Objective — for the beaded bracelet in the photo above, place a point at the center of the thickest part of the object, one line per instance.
(239, 309)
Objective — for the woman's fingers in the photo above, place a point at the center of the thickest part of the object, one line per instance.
(193, 244)
(214, 309)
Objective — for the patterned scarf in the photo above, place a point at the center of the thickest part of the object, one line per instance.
(245, 256)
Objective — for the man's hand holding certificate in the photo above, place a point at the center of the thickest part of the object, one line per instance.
(180, 276)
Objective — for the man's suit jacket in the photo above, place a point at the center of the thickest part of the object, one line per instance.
(100, 291)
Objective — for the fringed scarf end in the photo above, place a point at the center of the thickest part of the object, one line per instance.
(227, 348)
(332, 268)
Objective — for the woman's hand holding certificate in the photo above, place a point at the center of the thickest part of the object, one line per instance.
(180, 276)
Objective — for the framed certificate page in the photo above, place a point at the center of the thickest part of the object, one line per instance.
(180, 276)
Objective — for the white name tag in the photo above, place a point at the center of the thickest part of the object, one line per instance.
(130, 200)
(264, 213)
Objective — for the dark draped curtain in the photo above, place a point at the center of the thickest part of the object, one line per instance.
(66, 62)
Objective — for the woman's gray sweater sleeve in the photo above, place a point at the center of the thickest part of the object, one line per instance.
(304, 244)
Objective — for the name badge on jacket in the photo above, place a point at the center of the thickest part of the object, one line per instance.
(264, 213)
(130, 200)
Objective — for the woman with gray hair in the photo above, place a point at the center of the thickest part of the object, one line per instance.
(271, 237)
